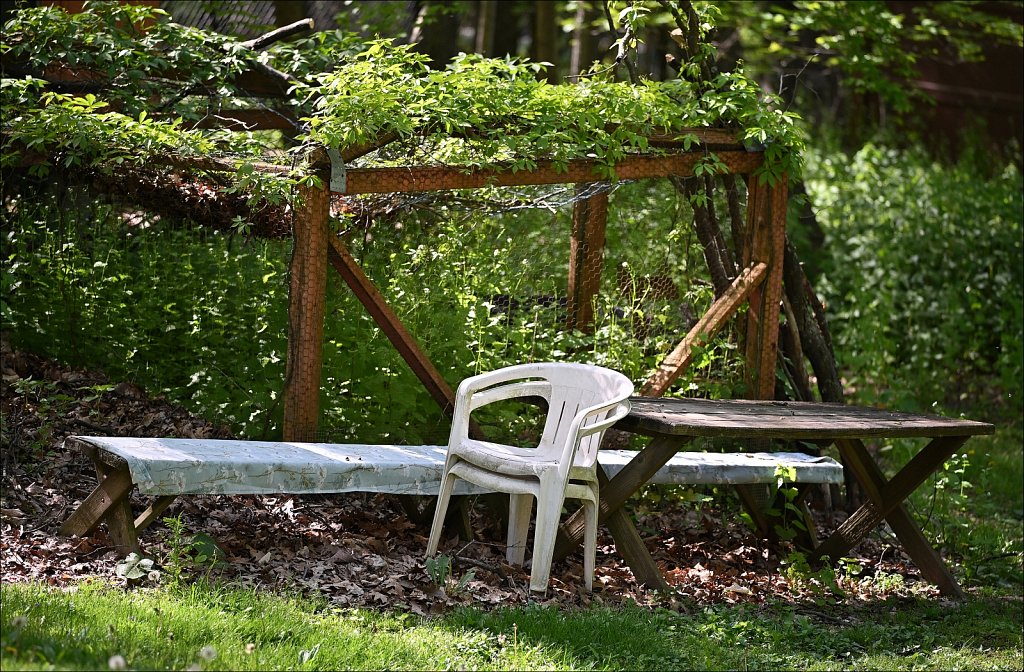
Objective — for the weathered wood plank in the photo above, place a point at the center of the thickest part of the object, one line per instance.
(858, 460)
(307, 304)
(755, 507)
(441, 178)
(785, 420)
(921, 552)
(120, 523)
(768, 313)
(917, 547)
(919, 468)
(892, 494)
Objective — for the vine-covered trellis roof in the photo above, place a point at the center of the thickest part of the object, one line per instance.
(124, 92)
(123, 85)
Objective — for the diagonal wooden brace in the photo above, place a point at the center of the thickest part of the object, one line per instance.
(613, 495)
(718, 314)
(886, 502)
(111, 491)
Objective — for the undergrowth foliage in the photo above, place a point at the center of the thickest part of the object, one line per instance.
(924, 277)
(201, 316)
(205, 324)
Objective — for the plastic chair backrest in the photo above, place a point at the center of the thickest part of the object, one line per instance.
(575, 387)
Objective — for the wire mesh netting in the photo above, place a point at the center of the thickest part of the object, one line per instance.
(481, 280)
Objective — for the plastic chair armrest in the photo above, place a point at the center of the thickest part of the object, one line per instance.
(579, 431)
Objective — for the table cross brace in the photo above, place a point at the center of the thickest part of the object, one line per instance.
(885, 501)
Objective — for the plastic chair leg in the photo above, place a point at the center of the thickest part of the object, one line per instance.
(589, 543)
(549, 509)
(519, 509)
(443, 496)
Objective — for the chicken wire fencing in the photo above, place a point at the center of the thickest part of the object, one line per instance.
(482, 280)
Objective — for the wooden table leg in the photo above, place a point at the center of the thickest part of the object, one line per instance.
(631, 546)
(614, 494)
(886, 502)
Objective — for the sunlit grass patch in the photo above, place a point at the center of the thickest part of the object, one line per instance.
(211, 628)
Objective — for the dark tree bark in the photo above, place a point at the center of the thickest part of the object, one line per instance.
(810, 321)
(507, 33)
(583, 43)
(544, 37)
(436, 33)
(706, 234)
(486, 25)
(289, 11)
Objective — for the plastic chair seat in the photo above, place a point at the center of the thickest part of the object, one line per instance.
(512, 460)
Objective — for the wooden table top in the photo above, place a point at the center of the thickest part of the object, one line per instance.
(742, 418)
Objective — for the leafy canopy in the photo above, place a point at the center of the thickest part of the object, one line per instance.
(874, 46)
(131, 86)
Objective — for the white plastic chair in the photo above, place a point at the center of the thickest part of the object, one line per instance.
(583, 401)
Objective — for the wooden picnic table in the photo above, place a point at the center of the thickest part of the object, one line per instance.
(672, 423)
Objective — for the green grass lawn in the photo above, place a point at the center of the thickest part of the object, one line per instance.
(222, 628)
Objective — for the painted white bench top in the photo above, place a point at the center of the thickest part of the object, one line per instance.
(217, 466)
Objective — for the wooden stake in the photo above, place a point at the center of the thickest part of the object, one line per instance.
(586, 252)
(307, 300)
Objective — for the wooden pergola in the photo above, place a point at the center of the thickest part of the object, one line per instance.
(758, 284)
(759, 238)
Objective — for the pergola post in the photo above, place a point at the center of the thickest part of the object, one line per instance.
(586, 255)
(307, 299)
(766, 238)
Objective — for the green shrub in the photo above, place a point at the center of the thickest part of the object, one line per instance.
(922, 277)
(201, 316)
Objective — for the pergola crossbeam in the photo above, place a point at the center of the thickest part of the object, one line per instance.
(442, 178)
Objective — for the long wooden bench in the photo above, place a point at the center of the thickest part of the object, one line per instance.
(167, 468)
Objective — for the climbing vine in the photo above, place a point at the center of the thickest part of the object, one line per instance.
(122, 85)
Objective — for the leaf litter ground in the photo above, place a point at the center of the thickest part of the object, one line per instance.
(355, 549)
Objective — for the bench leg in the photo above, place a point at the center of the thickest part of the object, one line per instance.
(107, 502)
(119, 518)
(457, 515)
(150, 515)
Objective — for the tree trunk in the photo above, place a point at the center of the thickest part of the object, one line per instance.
(583, 43)
(289, 11)
(544, 37)
(486, 15)
(507, 29)
(810, 322)
(436, 33)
